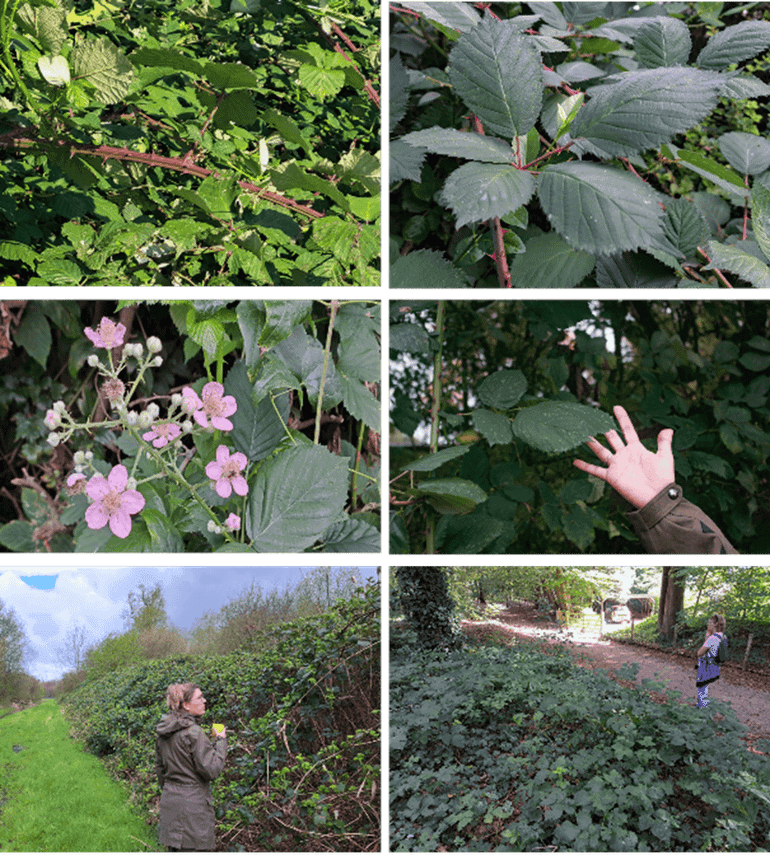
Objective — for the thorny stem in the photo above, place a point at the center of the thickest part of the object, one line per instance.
(335, 305)
(716, 270)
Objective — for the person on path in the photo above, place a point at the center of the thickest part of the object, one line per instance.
(708, 668)
(664, 520)
(186, 761)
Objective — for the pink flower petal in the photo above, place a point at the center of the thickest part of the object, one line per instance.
(96, 517)
(120, 524)
(132, 501)
(240, 486)
(214, 470)
(223, 488)
(98, 487)
(223, 455)
(118, 477)
(221, 424)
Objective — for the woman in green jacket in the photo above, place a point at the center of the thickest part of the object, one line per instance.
(664, 520)
(186, 761)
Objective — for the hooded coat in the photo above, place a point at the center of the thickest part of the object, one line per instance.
(185, 762)
(671, 524)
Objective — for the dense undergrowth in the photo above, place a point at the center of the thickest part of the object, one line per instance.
(302, 770)
(489, 751)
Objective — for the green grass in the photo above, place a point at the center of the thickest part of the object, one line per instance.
(58, 797)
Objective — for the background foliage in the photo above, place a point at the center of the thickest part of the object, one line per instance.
(583, 144)
(490, 486)
(233, 143)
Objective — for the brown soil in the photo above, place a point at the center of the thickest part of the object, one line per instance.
(748, 692)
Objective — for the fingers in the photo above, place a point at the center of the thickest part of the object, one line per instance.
(626, 426)
(664, 441)
(591, 469)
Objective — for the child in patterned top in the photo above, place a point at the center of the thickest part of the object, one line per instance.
(708, 668)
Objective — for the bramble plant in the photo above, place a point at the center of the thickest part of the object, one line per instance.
(234, 142)
(226, 466)
(571, 120)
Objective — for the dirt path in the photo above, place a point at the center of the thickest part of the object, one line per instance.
(747, 692)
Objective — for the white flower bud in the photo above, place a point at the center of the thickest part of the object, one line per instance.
(158, 361)
(187, 426)
(145, 419)
(212, 527)
(89, 455)
(131, 484)
(93, 360)
(132, 418)
(53, 439)
(79, 458)
(176, 399)
(59, 406)
(154, 345)
(153, 410)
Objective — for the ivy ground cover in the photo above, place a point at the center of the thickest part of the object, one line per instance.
(490, 751)
(579, 144)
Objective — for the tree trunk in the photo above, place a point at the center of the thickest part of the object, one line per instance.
(671, 602)
(428, 607)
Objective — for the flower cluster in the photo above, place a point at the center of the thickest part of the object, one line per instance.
(116, 497)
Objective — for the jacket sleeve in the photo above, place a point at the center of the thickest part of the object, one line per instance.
(671, 524)
(160, 767)
(208, 758)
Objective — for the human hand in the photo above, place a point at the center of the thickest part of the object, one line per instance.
(219, 730)
(637, 474)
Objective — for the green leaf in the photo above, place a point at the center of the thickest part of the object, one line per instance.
(644, 109)
(461, 144)
(425, 269)
(502, 389)
(550, 262)
(230, 75)
(296, 496)
(497, 71)
(481, 191)
(456, 16)
(164, 538)
(451, 496)
(288, 129)
(282, 316)
(429, 463)
(103, 65)
(321, 82)
(710, 169)
(34, 333)
(359, 401)
(599, 209)
(351, 536)
(405, 162)
(735, 259)
(558, 426)
(633, 270)
(755, 362)
(495, 427)
(684, 226)
(412, 338)
(17, 536)
(56, 71)
(736, 43)
(746, 153)
(663, 41)
(257, 429)
(760, 213)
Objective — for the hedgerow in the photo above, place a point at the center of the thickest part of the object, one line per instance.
(579, 144)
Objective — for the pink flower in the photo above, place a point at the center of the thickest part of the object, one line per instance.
(76, 483)
(52, 420)
(107, 335)
(212, 404)
(112, 502)
(162, 434)
(233, 522)
(226, 472)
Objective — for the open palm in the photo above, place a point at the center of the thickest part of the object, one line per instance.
(637, 474)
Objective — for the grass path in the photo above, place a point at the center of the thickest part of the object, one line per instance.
(56, 797)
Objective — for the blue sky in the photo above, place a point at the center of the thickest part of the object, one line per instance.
(48, 605)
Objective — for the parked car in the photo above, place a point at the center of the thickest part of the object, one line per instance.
(616, 613)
